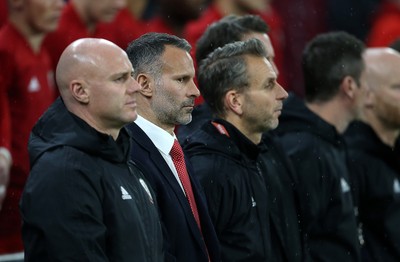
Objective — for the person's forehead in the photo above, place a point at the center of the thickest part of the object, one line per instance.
(112, 61)
(260, 66)
(174, 57)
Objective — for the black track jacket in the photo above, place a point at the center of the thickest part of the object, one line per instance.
(82, 200)
(254, 217)
(376, 184)
(319, 156)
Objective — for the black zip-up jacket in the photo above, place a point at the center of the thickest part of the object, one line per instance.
(376, 178)
(245, 205)
(319, 156)
(82, 200)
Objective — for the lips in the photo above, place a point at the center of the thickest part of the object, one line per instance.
(131, 103)
(189, 104)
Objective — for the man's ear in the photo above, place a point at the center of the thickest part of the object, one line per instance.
(349, 87)
(370, 97)
(146, 83)
(233, 101)
(80, 92)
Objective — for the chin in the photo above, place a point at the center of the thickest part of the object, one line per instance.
(185, 121)
(272, 126)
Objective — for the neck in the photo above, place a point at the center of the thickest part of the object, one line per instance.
(150, 116)
(95, 123)
(333, 112)
(253, 136)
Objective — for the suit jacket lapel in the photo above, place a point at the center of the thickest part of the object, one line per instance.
(155, 156)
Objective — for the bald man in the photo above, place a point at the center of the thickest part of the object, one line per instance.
(83, 201)
(375, 160)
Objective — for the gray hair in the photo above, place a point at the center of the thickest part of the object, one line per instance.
(145, 52)
(226, 69)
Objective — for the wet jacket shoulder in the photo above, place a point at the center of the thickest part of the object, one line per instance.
(319, 156)
(376, 182)
(94, 206)
(235, 191)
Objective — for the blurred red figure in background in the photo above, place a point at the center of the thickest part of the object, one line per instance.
(385, 28)
(83, 18)
(26, 90)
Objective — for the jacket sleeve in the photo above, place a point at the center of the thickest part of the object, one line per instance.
(62, 210)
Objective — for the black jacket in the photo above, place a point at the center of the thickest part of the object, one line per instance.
(244, 196)
(82, 200)
(184, 242)
(318, 154)
(376, 179)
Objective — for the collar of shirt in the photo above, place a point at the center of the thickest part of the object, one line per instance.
(163, 142)
(160, 138)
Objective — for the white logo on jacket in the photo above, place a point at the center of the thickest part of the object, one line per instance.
(125, 194)
(344, 185)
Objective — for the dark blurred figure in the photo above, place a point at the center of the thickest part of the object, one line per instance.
(374, 158)
(311, 134)
(172, 16)
(26, 90)
(385, 27)
(352, 16)
(83, 18)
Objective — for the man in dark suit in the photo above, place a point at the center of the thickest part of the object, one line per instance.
(164, 69)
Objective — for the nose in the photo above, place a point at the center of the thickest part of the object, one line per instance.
(134, 86)
(193, 90)
(282, 94)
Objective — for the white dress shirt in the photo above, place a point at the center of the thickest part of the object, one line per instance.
(162, 140)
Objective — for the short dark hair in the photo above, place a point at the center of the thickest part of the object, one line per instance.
(327, 60)
(226, 69)
(145, 51)
(229, 29)
(395, 45)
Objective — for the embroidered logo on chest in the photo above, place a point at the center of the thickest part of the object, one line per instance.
(125, 195)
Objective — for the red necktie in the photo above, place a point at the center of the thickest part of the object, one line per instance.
(179, 162)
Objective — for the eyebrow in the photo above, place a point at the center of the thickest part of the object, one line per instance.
(119, 74)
